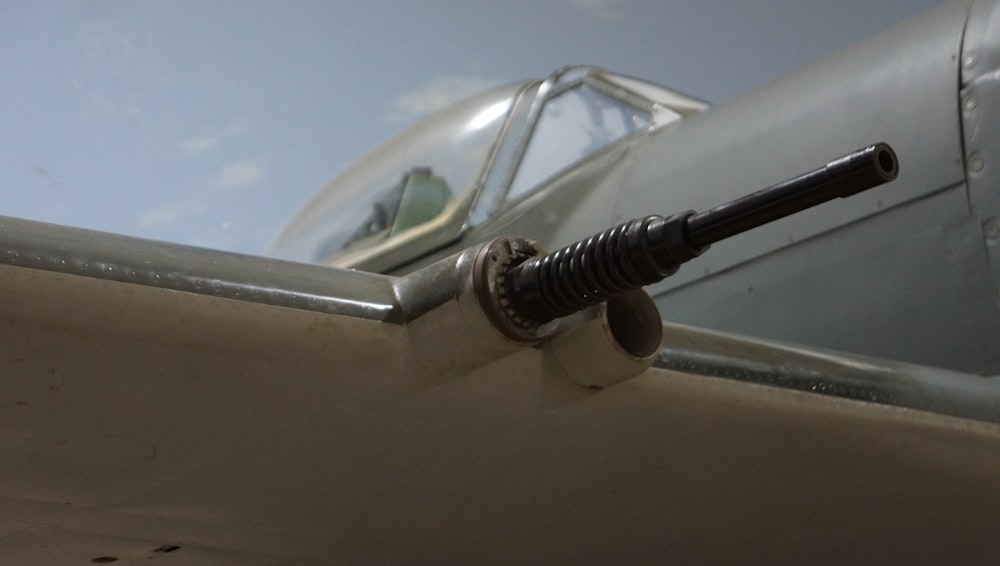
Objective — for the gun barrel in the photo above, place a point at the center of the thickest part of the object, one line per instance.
(637, 253)
(855, 172)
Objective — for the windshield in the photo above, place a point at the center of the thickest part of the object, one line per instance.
(573, 125)
(576, 113)
(411, 179)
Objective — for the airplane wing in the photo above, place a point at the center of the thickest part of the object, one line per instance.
(161, 403)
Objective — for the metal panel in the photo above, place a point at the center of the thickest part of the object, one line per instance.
(899, 272)
(730, 356)
(910, 284)
(897, 87)
(980, 53)
(981, 125)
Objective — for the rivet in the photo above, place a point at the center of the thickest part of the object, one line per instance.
(976, 164)
(970, 61)
(970, 103)
(992, 229)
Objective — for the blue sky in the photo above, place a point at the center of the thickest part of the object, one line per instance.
(209, 123)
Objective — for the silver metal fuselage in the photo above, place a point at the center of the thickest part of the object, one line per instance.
(909, 271)
(165, 402)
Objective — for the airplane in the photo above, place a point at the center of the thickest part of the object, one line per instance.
(561, 158)
(378, 392)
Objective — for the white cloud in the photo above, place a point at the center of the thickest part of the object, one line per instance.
(600, 9)
(201, 144)
(437, 94)
(238, 174)
(198, 144)
(170, 214)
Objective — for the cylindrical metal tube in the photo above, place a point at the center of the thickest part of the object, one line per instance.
(647, 250)
(851, 174)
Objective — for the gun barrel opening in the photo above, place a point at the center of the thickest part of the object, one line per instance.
(887, 162)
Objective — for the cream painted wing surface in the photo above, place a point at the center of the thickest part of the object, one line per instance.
(161, 404)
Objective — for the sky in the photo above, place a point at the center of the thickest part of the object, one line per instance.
(210, 122)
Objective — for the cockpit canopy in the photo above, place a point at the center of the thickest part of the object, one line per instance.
(471, 161)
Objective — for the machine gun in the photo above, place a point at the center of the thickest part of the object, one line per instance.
(528, 289)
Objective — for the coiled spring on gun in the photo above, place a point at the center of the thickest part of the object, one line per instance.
(589, 272)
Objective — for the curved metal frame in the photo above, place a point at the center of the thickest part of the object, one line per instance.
(553, 86)
(487, 196)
